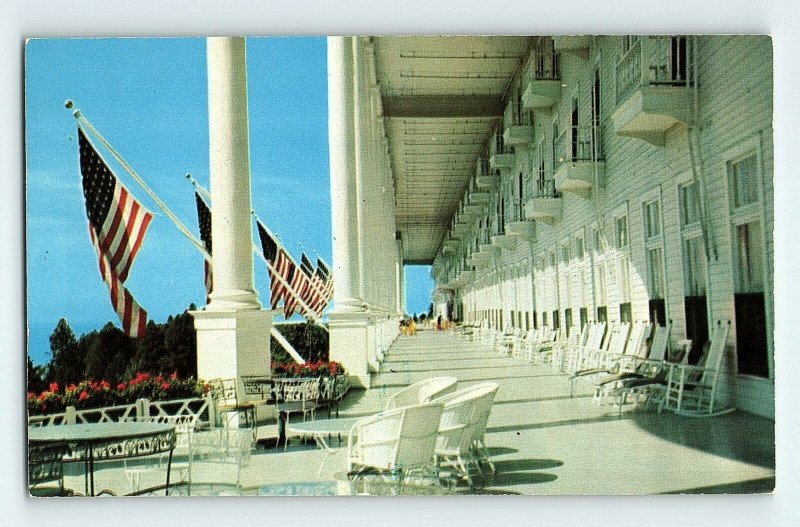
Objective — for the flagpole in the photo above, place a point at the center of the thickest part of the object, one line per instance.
(257, 250)
(84, 124)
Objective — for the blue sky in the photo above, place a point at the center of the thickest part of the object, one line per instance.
(148, 97)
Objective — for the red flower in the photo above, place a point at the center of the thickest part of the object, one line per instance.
(165, 385)
(83, 395)
(159, 378)
(54, 387)
(174, 375)
(121, 386)
(206, 388)
(71, 388)
(105, 385)
(31, 396)
(43, 396)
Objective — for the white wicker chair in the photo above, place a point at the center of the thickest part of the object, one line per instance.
(421, 392)
(395, 444)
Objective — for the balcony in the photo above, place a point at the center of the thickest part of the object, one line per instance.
(504, 241)
(578, 161)
(545, 203)
(485, 178)
(518, 225)
(487, 252)
(473, 210)
(577, 45)
(543, 82)
(501, 161)
(518, 129)
(653, 86)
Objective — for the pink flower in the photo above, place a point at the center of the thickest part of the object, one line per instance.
(165, 385)
(54, 387)
(121, 386)
(83, 395)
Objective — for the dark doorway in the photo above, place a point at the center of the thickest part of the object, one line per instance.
(658, 311)
(696, 325)
(751, 334)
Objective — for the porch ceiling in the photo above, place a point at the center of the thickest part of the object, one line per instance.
(441, 98)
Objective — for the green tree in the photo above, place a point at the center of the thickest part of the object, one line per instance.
(180, 344)
(149, 350)
(36, 377)
(67, 364)
(109, 354)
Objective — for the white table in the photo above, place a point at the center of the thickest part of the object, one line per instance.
(323, 429)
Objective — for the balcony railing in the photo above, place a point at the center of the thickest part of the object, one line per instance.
(544, 67)
(515, 115)
(577, 143)
(654, 61)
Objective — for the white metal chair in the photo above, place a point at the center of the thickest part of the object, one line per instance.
(184, 431)
(421, 392)
(46, 470)
(395, 444)
(221, 448)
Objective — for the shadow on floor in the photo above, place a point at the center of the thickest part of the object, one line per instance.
(517, 465)
(721, 436)
(753, 486)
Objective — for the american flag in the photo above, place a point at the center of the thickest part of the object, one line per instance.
(312, 292)
(328, 282)
(117, 225)
(298, 281)
(279, 262)
(204, 220)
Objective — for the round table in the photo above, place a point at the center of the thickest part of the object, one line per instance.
(321, 430)
(102, 441)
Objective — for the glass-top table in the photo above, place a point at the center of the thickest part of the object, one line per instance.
(322, 430)
(91, 442)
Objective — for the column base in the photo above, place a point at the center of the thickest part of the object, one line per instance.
(349, 344)
(233, 343)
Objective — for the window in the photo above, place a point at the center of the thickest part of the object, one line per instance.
(744, 181)
(580, 247)
(565, 253)
(624, 277)
(695, 274)
(544, 318)
(584, 316)
(690, 203)
(528, 320)
(621, 231)
(625, 313)
(652, 219)
(597, 238)
(655, 272)
(553, 260)
(556, 321)
(749, 258)
(600, 294)
(568, 319)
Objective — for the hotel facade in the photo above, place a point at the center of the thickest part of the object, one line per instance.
(557, 181)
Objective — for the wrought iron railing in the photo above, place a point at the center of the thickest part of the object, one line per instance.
(544, 66)
(577, 143)
(659, 60)
(137, 411)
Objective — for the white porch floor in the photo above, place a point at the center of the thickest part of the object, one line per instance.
(541, 440)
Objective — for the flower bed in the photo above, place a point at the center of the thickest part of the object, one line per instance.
(97, 394)
(307, 369)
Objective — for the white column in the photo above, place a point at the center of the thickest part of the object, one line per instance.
(233, 332)
(348, 321)
(229, 158)
(360, 140)
(342, 165)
